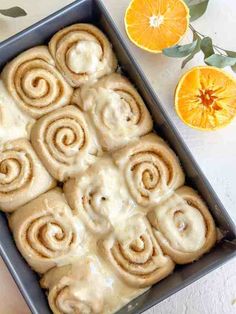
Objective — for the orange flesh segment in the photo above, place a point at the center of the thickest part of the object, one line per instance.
(206, 98)
(156, 24)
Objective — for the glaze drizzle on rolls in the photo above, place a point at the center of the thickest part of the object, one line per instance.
(184, 226)
(72, 290)
(87, 285)
(151, 169)
(116, 109)
(82, 53)
(100, 198)
(141, 263)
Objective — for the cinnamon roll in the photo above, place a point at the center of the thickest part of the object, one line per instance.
(82, 53)
(22, 176)
(99, 197)
(45, 231)
(116, 109)
(183, 226)
(88, 285)
(141, 262)
(34, 82)
(151, 169)
(64, 142)
(66, 295)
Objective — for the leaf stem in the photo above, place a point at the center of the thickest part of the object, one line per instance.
(195, 31)
(217, 48)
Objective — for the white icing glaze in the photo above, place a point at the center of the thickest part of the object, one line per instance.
(182, 225)
(109, 198)
(84, 57)
(13, 122)
(131, 228)
(114, 112)
(91, 281)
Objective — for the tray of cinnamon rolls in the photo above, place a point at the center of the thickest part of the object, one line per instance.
(98, 193)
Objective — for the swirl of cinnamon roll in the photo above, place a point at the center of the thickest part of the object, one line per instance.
(183, 226)
(22, 176)
(62, 300)
(34, 82)
(82, 53)
(151, 169)
(140, 263)
(64, 143)
(45, 231)
(116, 109)
(72, 290)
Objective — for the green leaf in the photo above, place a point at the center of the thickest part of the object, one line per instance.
(197, 10)
(207, 47)
(234, 68)
(188, 2)
(220, 61)
(13, 12)
(233, 55)
(193, 53)
(180, 51)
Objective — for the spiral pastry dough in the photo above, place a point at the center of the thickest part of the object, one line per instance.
(45, 231)
(34, 82)
(151, 169)
(64, 142)
(183, 226)
(72, 290)
(141, 263)
(82, 53)
(116, 109)
(22, 176)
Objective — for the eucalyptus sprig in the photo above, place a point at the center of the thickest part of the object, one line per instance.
(13, 12)
(213, 54)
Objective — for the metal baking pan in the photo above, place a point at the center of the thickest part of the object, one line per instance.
(93, 11)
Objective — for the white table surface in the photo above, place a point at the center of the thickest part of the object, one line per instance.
(214, 151)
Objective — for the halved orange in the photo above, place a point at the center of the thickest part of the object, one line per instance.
(205, 98)
(154, 25)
